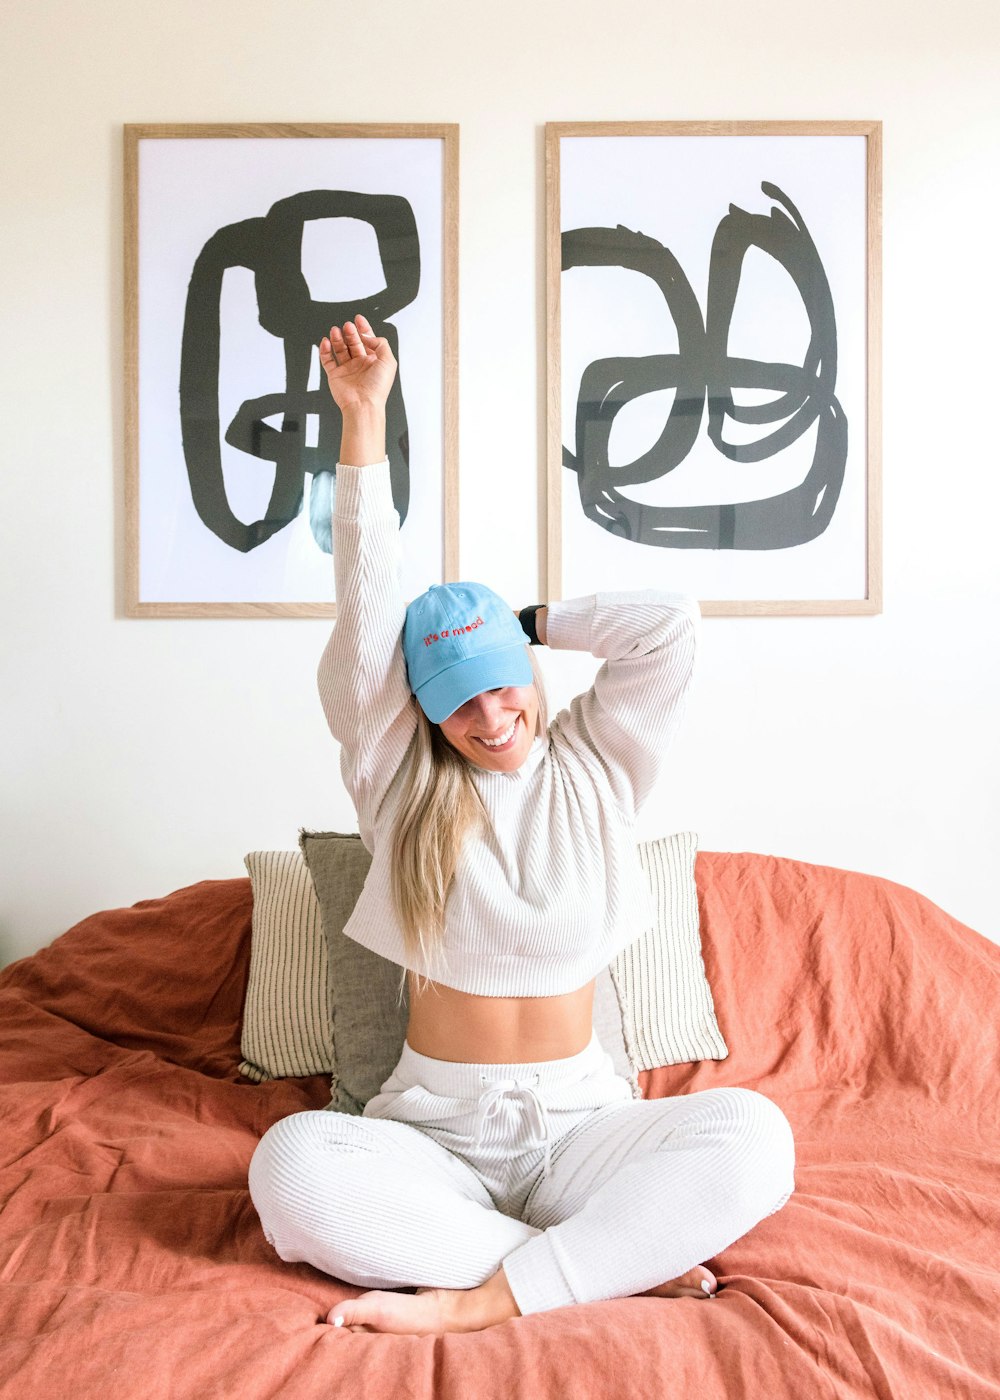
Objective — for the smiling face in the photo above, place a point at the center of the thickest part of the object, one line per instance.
(509, 714)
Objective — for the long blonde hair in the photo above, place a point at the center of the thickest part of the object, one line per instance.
(439, 807)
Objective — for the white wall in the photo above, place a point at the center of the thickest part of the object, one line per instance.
(140, 756)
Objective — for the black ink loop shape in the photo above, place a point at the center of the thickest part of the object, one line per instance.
(271, 248)
(608, 385)
(703, 368)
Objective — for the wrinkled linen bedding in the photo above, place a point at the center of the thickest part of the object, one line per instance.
(132, 1262)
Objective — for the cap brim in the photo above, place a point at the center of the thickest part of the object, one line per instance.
(442, 695)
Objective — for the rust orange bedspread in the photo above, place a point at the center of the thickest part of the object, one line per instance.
(132, 1262)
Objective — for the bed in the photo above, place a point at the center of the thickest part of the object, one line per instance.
(132, 1262)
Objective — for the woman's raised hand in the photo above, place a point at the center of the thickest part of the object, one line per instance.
(359, 365)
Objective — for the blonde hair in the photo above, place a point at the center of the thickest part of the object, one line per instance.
(439, 807)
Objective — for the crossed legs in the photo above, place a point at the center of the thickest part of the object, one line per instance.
(637, 1196)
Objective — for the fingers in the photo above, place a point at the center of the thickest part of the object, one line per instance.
(352, 337)
(333, 350)
(336, 349)
(355, 342)
(364, 326)
(377, 345)
(340, 346)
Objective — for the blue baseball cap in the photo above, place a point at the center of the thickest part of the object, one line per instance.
(460, 639)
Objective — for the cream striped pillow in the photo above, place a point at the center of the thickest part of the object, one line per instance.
(667, 1010)
(286, 1017)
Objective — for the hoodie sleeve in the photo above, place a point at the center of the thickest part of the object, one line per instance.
(362, 677)
(628, 717)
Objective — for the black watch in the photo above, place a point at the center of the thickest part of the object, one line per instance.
(526, 617)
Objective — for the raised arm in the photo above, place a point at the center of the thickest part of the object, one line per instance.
(362, 674)
(629, 715)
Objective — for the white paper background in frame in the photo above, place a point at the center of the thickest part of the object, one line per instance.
(678, 189)
(333, 248)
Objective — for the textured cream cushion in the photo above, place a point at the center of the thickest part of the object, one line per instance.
(286, 1016)
(668, 1009)
(317, 1002)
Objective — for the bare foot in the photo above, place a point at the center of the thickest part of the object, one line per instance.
(436, 1310)
(689, 1285)
(429, 1310)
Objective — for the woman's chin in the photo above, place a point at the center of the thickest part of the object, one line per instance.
(507, 759)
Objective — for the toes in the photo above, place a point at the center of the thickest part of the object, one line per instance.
(344, 1315)
(346, 1318)
(370, 1312)
(698, 1282)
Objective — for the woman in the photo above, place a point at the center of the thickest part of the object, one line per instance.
(504, 1166)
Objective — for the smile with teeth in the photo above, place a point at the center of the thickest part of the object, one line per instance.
(503, 741)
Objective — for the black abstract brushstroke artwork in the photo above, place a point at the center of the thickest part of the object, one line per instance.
(703, 369)
(271, 248)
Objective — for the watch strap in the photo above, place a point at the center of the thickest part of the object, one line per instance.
(526, 617)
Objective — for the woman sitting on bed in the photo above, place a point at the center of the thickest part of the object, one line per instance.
(504, 1168)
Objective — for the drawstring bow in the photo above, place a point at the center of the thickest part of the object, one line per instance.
(526, 1093)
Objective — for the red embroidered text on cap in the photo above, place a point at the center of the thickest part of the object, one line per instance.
(453, 631)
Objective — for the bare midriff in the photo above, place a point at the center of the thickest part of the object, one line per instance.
(446, 1024)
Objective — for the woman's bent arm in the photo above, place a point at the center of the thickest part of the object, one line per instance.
(629, 715)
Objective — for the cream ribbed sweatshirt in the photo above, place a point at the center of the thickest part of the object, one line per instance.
(545, 898)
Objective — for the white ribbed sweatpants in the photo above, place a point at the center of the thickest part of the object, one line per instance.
(551, 1169)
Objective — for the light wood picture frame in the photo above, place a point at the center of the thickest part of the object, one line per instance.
(244, 243)
(713, 294)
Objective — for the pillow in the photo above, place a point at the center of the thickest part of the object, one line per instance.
(668, 1012)
(368, 1026)
(286, 1015)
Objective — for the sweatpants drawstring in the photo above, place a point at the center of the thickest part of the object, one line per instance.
(526, 1093)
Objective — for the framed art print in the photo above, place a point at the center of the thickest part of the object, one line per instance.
(243, 245)
(713, 294)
